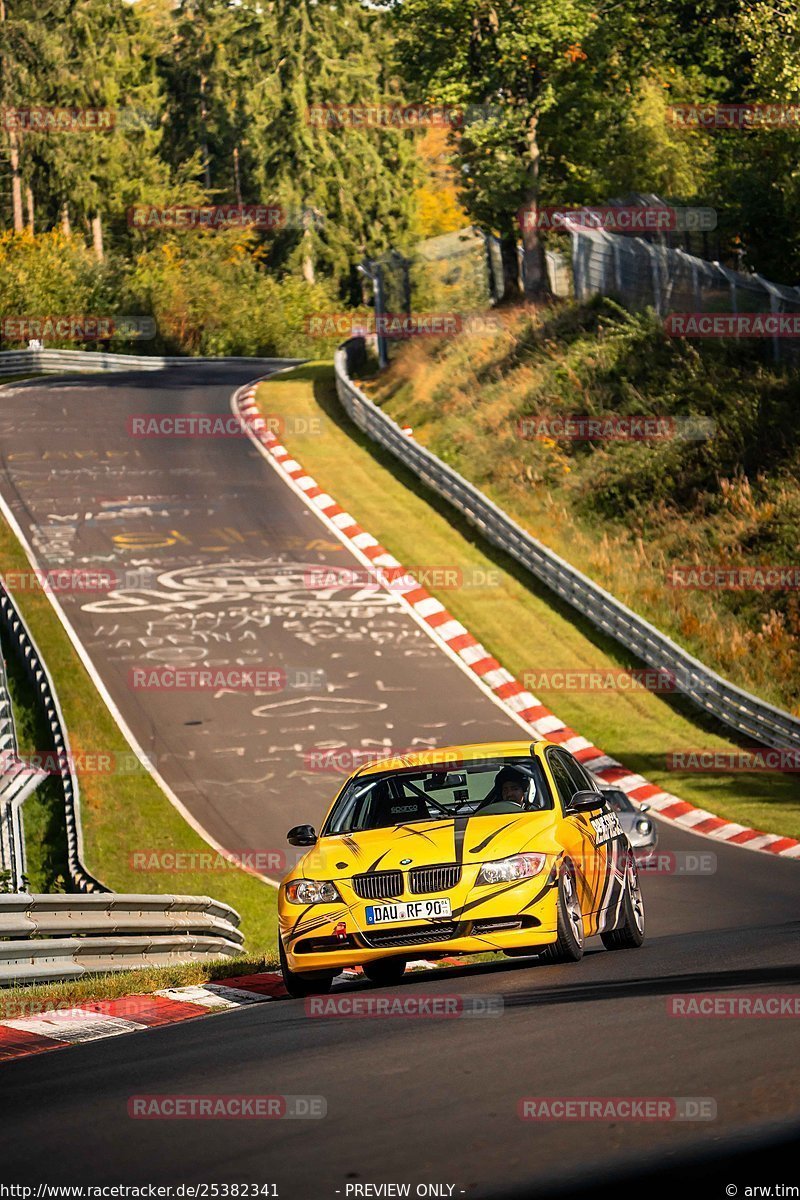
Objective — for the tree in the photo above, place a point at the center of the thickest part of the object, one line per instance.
(213, 51)
(110, 54)
(30, 58)
(504, 61)
(351, 185)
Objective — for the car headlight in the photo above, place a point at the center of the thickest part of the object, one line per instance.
(311, 891)
(643, 826)
(506, 870)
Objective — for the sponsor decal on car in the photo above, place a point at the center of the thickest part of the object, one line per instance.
(606, 828)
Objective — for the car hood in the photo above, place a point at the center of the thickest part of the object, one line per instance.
(426, 843)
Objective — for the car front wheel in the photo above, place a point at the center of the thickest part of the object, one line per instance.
(312, 983)
(568, 946)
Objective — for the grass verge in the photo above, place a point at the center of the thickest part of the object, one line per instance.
(713, 485)
(519, 621)
(47, 997)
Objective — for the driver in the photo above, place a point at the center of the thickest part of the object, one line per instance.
(512, 786)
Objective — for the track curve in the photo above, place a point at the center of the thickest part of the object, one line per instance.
(418, 1101)
(218, 561)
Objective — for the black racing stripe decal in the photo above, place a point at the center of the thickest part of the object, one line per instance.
(379, 859)
(613, 889)
(352, 845)
(307, 909)
(550, 883)
(459, 833)
(316, 923)
(620, 868)
(506, 887)
(416, 833)
(482, 845)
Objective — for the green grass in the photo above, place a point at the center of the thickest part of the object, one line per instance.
(46, 997)
(124, 813)
(522, 624)
(44, 817)
(628, 512)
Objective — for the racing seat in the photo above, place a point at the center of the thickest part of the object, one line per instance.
(395, 810)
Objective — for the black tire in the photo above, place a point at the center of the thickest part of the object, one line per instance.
(297, 984)
(630, 934)
(568, 946)
(385, 971)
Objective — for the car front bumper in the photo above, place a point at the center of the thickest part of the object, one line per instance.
(333, 936)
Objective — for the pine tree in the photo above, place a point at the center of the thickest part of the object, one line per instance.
(351, 185)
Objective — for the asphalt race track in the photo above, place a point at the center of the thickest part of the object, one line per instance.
(217, 562)
(435, 1100)
(419, 1101)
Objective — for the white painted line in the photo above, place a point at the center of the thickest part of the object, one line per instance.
(74, 1026)
(196, 994)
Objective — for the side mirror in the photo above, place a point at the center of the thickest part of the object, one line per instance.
(644, 807)
(585, 802)
(302, 835)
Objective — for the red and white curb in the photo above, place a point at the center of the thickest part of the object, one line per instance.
(452, 636)
(94, 1020)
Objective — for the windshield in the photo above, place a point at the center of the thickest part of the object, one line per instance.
(485, 787)
(619, 802)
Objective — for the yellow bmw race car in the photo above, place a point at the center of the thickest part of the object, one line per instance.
(507, 846)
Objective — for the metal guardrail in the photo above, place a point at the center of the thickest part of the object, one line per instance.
(60, 937)
(16, 362)
(24, 646)
(17, 781)
(746, 714)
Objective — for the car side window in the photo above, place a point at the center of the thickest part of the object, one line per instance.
(579, 776)
(564, 783)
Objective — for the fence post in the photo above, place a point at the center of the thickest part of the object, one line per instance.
(774, 307)
(654, 275)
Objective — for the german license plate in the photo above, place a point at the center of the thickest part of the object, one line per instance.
(414, 910)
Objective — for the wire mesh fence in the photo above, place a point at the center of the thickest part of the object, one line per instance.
(644, 274)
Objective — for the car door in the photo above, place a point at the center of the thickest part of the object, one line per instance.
(610, 850)
(577, 835)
